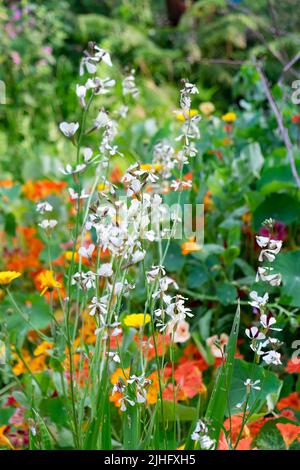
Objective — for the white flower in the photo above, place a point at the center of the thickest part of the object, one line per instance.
(69, 170)
(84, 280)
(252, 384)
(265, 274)
(81, 92)
(129, 87)
(101, 120)
(48, 224)
(267, 322)
(154, 272)
(69, 128)
(74, 196)
(87, 154)
(138, 256)
(254, 333)
(262, 241)
(43, 207)
(257, 301)
(115, 357)
(272, 357)
(105, 270)
(87, 252)
(98, 306)
(103, 55)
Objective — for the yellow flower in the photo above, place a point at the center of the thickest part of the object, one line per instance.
(181, 117)
(151, 166)
(103, 187)
(190, 247)
(68, 255)
(207, 108)
(6, 277)
(229, 117)
(136, 320)
(47, 281)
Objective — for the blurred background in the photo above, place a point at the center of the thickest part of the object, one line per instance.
(206, 41)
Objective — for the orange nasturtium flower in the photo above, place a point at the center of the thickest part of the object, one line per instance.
(47, 281)
(137, 320)
(6, 277)
(190, 247)
(290, 432)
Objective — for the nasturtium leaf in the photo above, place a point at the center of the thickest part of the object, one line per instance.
(288, 264)
(278, 206)
(226, 293)
(269, 436)
(270, 386)
(197, 276)
(182, 412)
(174, 260)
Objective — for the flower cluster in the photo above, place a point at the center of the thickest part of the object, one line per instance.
(260, 332)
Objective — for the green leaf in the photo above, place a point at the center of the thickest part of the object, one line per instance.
(226, 293)
(288, 264)
(266, 397)
(182, 412)
(197, 276)
(218, 401)
(277, 206)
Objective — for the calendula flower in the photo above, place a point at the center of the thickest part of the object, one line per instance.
(47, 281)
(229, 117)
(6, 277)
(137, 320)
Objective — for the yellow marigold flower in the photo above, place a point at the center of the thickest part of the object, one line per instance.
(137, 320)
(6, 277)
(151, 166)
(229, 117)
(47, 281)
(43, 348)
(190, 247)
(181, 117)
(207, 108)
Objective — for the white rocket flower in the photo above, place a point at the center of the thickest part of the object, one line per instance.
(69, 128)
(43, 207)
(105, 270)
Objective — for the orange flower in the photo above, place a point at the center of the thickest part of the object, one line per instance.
(6, 183)
(291, 401)
(41, 189)
(4, 441)
(293, 366)
(116, 175)
(189, 378)
(290, 432)
(45, 281)
(208, 203)
(43, 348)
(190, 247)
